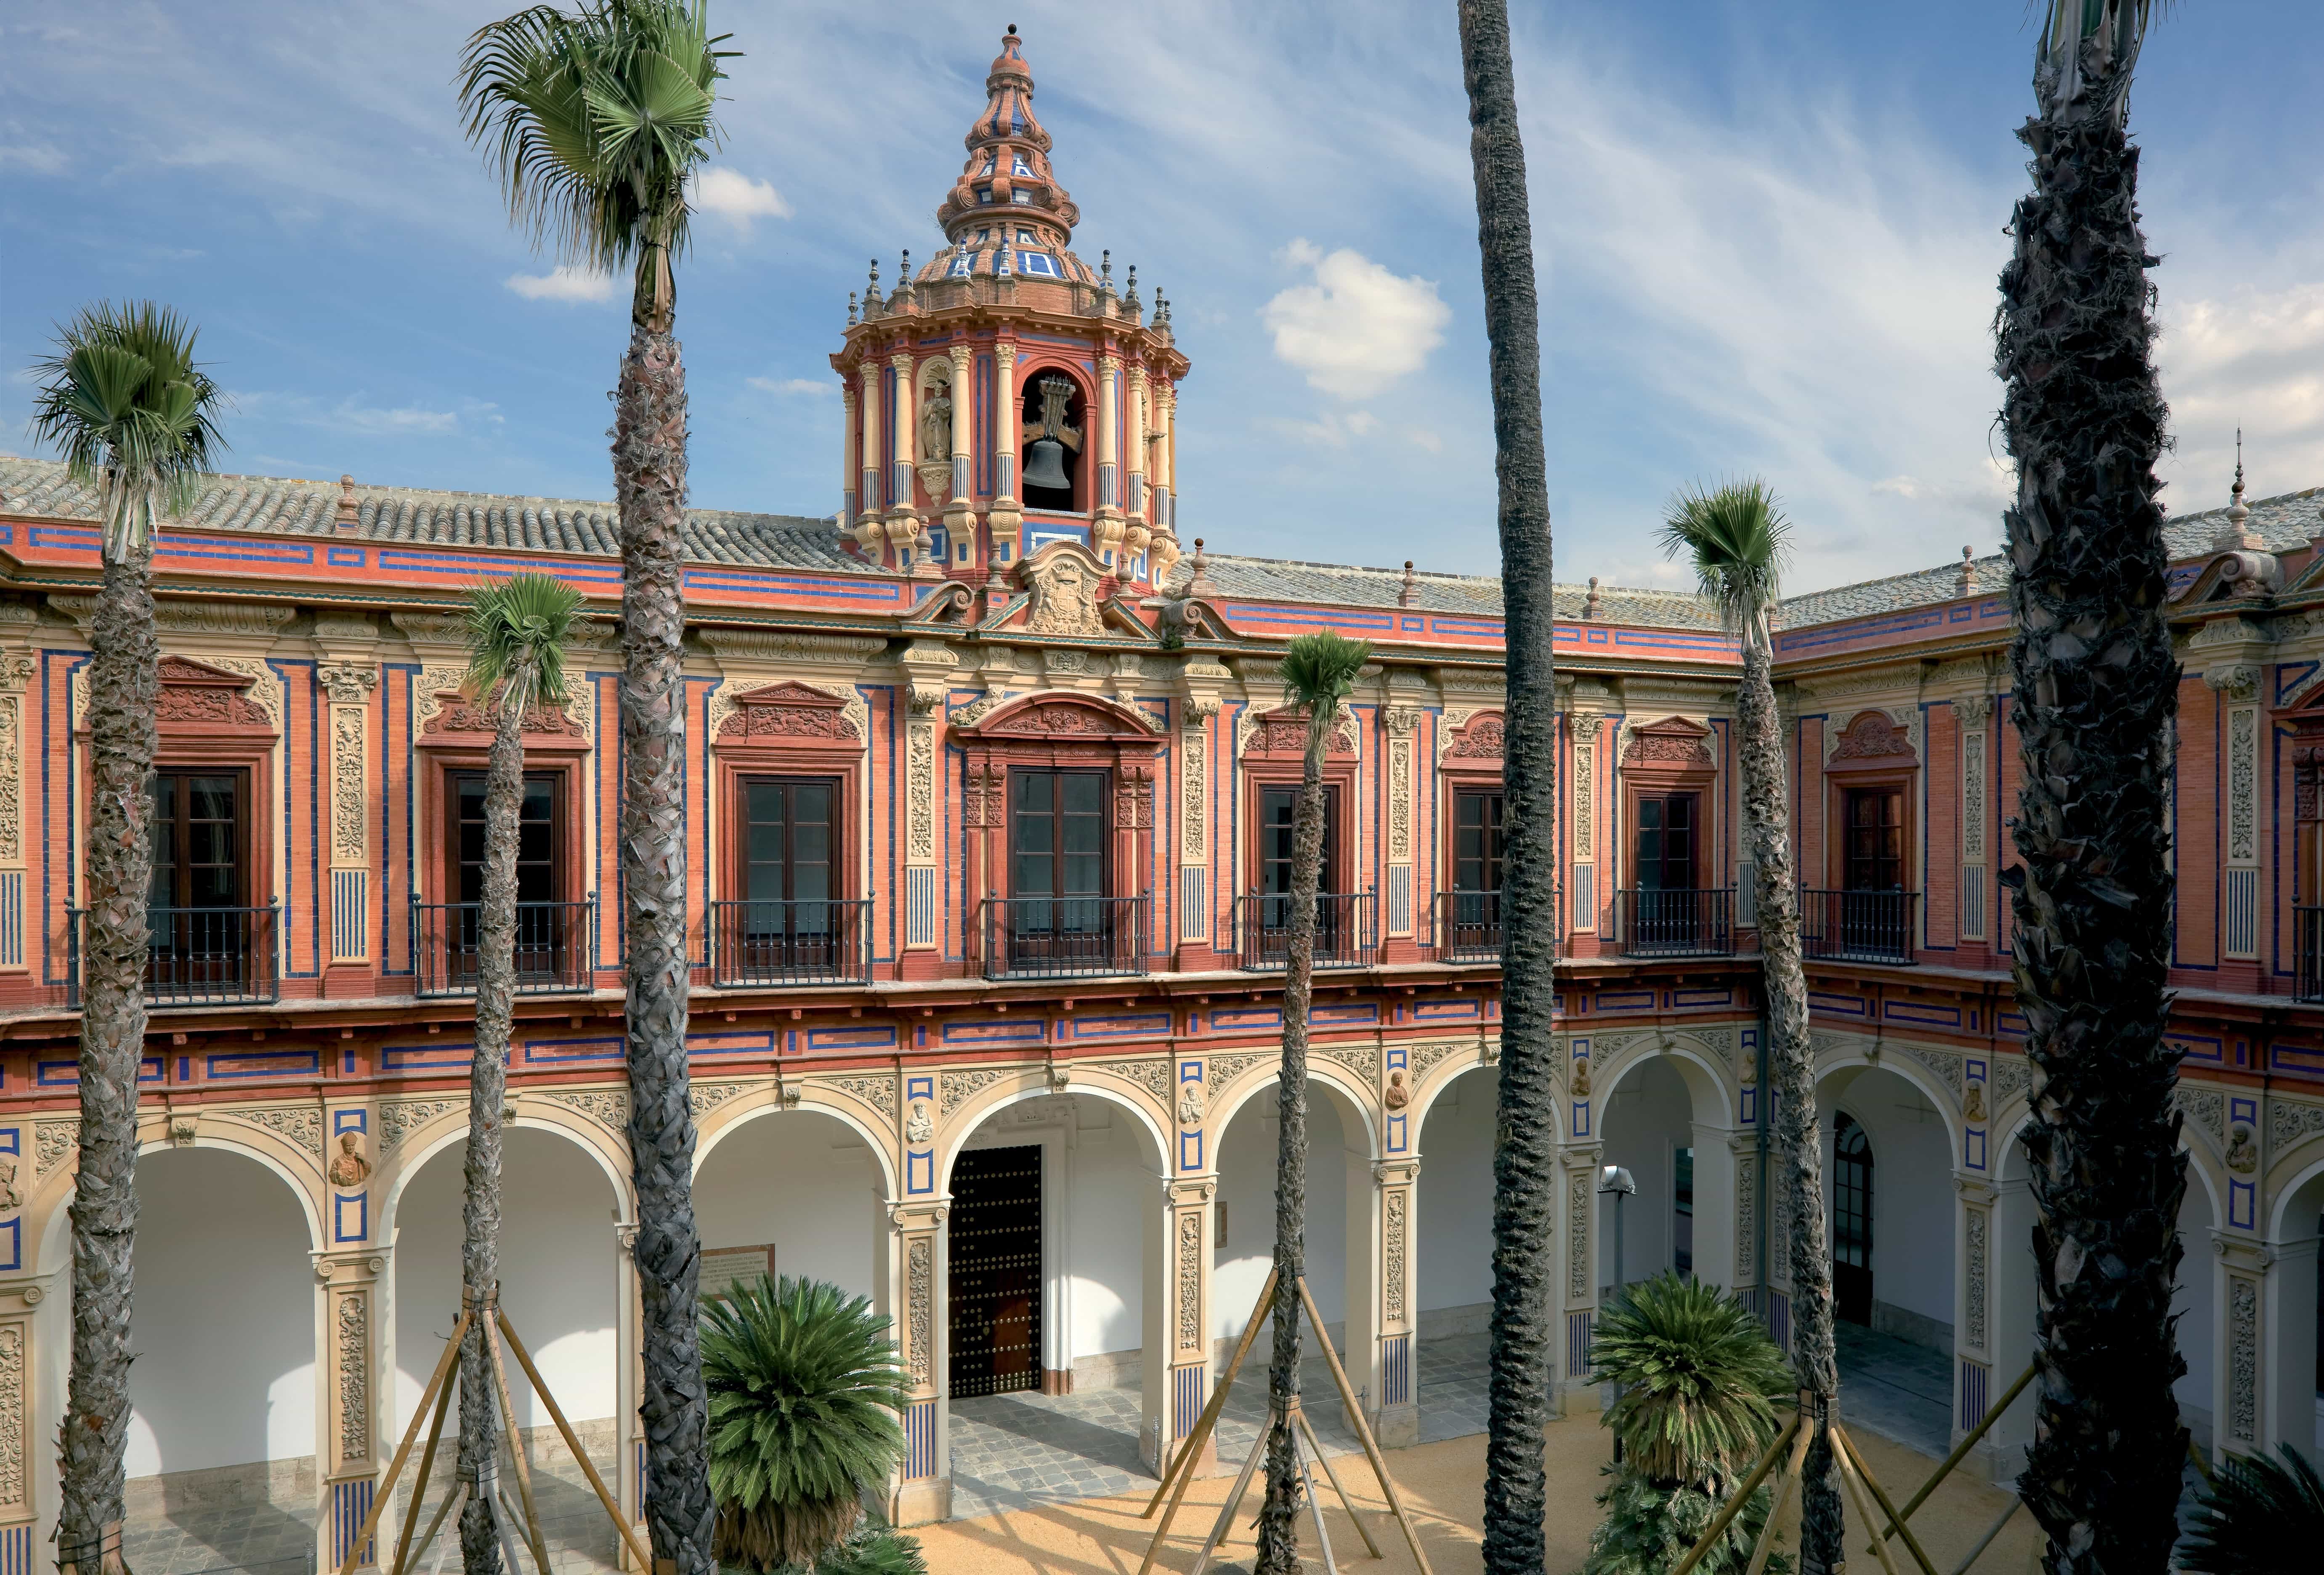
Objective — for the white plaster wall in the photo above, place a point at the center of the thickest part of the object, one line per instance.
(223, 1323)
(1649, 1117)
(1453, 1244)
(1109, 1181)
(799, 1179)
(2192, 1298)
(1246, 1167)
(1913, 1201)
(557, 1272)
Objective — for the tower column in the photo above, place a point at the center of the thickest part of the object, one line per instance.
(850, 447)
(960, 509)
(1106, 528)
(904, 530)
(869, 532)
(1141, 532)
(1162, 551)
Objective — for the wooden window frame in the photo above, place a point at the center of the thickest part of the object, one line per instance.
(1662, 758)
(738, 779)
(245, 831)
(562, 838)
(1844, 773)
(1108, 885)
(794, 731)
(1276, 757)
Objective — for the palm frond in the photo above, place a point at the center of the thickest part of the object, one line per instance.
(1698, 1379)
(591, 120)
(2086, 43)
(517, 629)
(122, 398)
(2258, 1516)
(1320, 670)
(1739, 542)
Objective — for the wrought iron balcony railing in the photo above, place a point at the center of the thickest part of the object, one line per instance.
(1347, 929)
(553, 946)
(2308, 933)
(814, 941)
(200, 956)
(1063, 938)
(1676, 924)
(1858, 926)
(1468, 927)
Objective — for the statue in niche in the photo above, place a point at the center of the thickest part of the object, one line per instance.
(1582, 1077)
(1973, 1102)
(350, 1168)
(2243, 1154)
(936, 424)
(922, 1126)
(1190, 1104)
(10, 1197)
(1397, 1096)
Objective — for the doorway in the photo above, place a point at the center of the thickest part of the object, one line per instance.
(994, 1324)
(1851, 1220)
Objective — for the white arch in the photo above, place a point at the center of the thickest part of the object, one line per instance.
(1843, 1057)
(1334, 1077)
(986, 1106)
(1706, 1084)
(2285, 1194)
(455, 1129)
(769, 1101)
(1434, 1086)
(46, 1223)
(2201, 1161)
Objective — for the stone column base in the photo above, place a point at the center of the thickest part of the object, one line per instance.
(922, 1502)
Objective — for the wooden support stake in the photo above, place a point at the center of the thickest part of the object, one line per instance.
(1315, 1448)
(1234, 1501)
(403, 1450)
(533, 1538)
(452, 1502)
(588, 1469)
(1314, 1500)
(1193, 1448)
(1363, 1430)
(1787, 1479)
(1880, 1497)
(1863, 1500)
(419, 1478)
(1734, 1506)
(1960, 1450)
(1991, 1532)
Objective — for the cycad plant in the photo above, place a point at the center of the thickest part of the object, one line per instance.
(2095, 681)
(1698, 1380)
(1319, 672)
(1739, 544)
(135, 419)
(2258, 1517)
(516, 661)
(805, 1390)
(593, 119)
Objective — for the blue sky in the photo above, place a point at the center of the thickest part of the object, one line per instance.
(1767, 232)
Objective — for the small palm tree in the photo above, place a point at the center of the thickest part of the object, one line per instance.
(1739, 543)
(1320, 671)
(2095, 681)
(2258, 1517)
(805, 1389)
(593, 120)
(1699, 1379)
(136, 420)
(1525, 1176)
(516, 661)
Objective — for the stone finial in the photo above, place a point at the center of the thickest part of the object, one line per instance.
(871, 293)
(901, 300)
(1404, 592)
(1198, 582)
(1967, 573)
(1129, 296)
(851, 308)
(2236, 534)
(1589, 603)
(347, 519)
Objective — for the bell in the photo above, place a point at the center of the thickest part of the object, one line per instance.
(1045, 465)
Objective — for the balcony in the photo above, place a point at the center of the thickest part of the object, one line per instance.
(200, 956)
(1063, 938)
(1858, 926)
(2310, 930)
(552, 947)
(1468, 927)
(1347, 930)
(1675, 923)
(756, 943)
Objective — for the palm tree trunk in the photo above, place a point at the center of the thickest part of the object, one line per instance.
(117, 870)
(1791, 1058)
(480, 1213)
(1525, 1156)
(2096, 688)
(649, 480)
(1278, 1532)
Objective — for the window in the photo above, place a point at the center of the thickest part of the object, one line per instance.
(1024, 235)
(1682, 1210)
(1851, 1220)
(1056, 859)
(198, 840)
(984, 194)
(536, 838)
(1478, 840)
(788, 840)
(1876, 839)
(990, 158)
(1017, 166)
(1276, 807)
(1666, 824)
(1039, 264)
(1025, 198)
(961, 262)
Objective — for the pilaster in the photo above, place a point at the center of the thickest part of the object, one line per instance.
(17, 666)
(915, 1253)
(1578, 1168)
(352, 1412)
(906, 532)
(1179, 1311)
(1106, 529)
(348, 674)
(960, 508)
(1392, 1351)
(871, 531)
(1403, 905)
(22, 1361)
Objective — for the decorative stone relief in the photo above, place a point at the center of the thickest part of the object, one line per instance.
(11, 779)
(1153, 1076)
(1190, 1279)
(1064, 586)
(2012, 1076)
(431, 686)
(12, 1484)
(878, 1092)
(302, 1129)
(1746, 1215)
(52, 1141)
(1364, 1058)
(1977, 1226)
(772, 645)
(266, 690)
(1424, 1056)
(2206, 1107)
(1193, 786)
(921, 792)
(2243, 1358)
(347, 816)
(1945, 1063)
(788, 710)
(704, 1097)
(1392, 1253)
(350, 684)
(2243, 774)
(919, 1274)
(1399, 799)
(1973, 797)
(1226, 1069)
(355, 1377)
(610, 1106)
(1577, 1237)
(960, 1087)
(2288, 1123)
(396, 1120)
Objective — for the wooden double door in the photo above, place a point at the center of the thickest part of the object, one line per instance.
(994, 1318)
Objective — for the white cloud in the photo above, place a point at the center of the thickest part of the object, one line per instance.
(1357, 327)
(737, 198)
(805, 387)
(564, 282)
(39, 161)
(2251, 358)
(356, 418)
(1332, 429)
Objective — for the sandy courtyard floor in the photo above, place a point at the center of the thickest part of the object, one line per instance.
(1443, 1484)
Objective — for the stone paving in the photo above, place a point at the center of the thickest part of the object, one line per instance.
(1897, 1389)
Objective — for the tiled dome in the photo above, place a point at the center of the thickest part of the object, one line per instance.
(1006, 190)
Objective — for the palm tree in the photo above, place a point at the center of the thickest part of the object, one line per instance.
(1739, 543)
(805, 1389)
(2096, 687)
(593, 120)
(2259, 1517)
(135, 419)
(1526, 1180)
(1319, 671)
(516, 661)
(1698, 1379)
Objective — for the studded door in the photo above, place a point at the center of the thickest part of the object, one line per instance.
(994, 1238)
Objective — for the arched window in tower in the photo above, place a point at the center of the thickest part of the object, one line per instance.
(1053, 426)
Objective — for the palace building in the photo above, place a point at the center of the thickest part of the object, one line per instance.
(988, 793)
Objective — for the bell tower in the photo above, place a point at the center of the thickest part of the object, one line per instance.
(1007, 395)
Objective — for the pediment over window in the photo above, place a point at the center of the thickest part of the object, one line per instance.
(1483, 737)
(1063, 718)
(1283, 731)
(788, 711)
(196, 695)
(1672, 744)
(1874, 735)
(458, 711)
